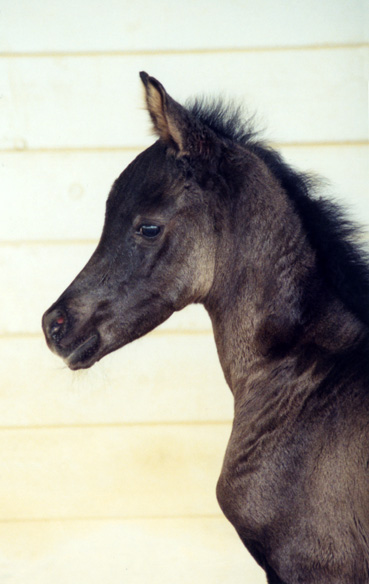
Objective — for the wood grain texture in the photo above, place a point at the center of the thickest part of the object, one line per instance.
(159, 551)
(109, 475)
(120, 25)
(83, 102)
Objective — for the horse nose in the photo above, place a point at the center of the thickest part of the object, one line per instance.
(54, 324)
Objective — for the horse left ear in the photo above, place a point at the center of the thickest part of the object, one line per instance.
(172, 122)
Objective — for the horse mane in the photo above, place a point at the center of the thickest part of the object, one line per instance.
(343, 262)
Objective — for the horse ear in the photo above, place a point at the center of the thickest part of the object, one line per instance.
(166, 114)
(172, 122)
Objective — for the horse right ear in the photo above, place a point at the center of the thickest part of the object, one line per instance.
(173, 123)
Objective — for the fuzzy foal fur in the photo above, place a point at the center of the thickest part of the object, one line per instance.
(209, 214)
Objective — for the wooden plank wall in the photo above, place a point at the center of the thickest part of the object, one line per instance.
(109, 475)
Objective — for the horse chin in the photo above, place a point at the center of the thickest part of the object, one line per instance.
(87, 350)
(85, 354)
(92, 350)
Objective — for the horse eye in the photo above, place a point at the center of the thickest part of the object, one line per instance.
(149, 231)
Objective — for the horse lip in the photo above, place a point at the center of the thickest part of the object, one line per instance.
(82, 356)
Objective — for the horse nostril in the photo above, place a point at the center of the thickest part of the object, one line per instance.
(54, 325)
(55, 329)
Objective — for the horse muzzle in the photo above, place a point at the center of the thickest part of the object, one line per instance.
(78, 349)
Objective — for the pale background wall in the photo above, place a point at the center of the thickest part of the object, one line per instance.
(109, 475)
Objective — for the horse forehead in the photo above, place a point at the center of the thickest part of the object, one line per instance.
(149, 175)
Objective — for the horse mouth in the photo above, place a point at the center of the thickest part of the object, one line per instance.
(84, 355)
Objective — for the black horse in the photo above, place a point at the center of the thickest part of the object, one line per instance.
(209, 214)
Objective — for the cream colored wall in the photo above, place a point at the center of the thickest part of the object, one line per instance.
(109, 475)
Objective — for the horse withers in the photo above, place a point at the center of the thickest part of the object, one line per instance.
(209, 214)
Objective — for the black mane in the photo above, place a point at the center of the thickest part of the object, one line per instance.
(343, 263)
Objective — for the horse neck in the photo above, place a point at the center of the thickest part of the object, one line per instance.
(265, 285)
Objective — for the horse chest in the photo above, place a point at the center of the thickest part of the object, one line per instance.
(291, 500)
(255, 489)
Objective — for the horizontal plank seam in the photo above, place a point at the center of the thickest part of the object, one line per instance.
(108, 149)
(155, 333)
(115, 425)
(191, 517)
(46, 242)
(176, 51)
